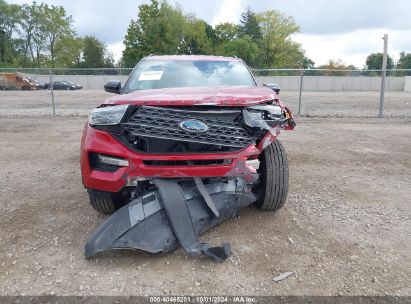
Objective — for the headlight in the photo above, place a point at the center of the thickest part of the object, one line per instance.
(110, 115)
(263, 116)
(267, 112)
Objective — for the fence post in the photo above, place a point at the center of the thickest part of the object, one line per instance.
(52, 92)
(301, 91)
(383, 74)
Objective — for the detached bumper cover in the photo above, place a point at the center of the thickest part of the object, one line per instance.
(156, 224)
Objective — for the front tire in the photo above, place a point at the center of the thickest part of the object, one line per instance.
(273, 187)
(106, 202)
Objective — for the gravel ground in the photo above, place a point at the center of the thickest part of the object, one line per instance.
(320, 104)
(345, 229)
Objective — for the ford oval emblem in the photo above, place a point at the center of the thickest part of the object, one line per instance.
(194, 126)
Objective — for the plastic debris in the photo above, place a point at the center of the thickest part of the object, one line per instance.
(283, 276)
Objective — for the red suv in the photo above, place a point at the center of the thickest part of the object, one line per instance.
(182, 117)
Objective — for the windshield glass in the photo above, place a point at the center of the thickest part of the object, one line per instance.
(158, 74)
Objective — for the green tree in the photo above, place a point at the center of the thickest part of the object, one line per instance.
(27, 23)
(308, 63)
(262, 40)
(109, 60)
(93, 52)
(211, 34)
(31, 33)
(38, 41)
(250, 25)
(57, 26)
(276, 46)
(337, 68)
(159, 29)
(68, 52)
(226, 32)
(9, 16)
(37, 35)
(34, 30)
(243, 48)
(133, 50)
(374, 62)
(405, 63)
(163, 29)
(195, 39)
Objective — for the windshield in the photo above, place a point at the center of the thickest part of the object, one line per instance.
(158, 74)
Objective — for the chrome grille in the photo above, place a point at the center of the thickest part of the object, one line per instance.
(163, 123)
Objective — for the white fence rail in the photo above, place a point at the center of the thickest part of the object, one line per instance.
(286, 83)
(334, 83)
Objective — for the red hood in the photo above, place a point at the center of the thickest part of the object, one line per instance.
(219, 96)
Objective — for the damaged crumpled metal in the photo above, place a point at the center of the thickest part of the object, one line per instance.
(148, 223)
(276, 117)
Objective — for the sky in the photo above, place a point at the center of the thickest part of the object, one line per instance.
(330, 29)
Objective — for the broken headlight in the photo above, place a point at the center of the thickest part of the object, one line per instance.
(263, 116)
(107, 116)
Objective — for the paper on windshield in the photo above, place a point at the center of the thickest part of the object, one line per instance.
(150, 75)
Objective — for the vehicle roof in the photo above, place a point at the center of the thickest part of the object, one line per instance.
(192, 58)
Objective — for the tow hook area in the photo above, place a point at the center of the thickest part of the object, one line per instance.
(175, 213)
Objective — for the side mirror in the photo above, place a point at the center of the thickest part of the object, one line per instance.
(273, 86)
(113, 86)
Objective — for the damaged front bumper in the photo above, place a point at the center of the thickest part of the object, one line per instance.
(99, 142)
(250, 130)
(174, 213)
(198, 180)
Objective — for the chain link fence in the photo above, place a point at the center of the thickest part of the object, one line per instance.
(342, 93)
(310, 92)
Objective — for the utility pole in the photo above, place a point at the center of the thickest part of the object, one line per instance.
(301, 90)
(52, 93)
(383, 74)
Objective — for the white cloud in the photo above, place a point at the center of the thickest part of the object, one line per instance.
(347, 29)
(353, 47)
(229, 11)
(116, 49)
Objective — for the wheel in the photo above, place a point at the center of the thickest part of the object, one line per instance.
(273, 172)
(106, 202)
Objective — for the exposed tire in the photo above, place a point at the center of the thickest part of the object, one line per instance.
(106, 202)
(273, 187)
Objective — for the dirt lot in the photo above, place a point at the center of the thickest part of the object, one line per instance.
(345, 228)
(315, 104)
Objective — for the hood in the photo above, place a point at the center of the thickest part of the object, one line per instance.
(216, 96)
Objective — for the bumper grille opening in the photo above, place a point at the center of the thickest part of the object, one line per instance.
(157, 129)
(207, 162)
